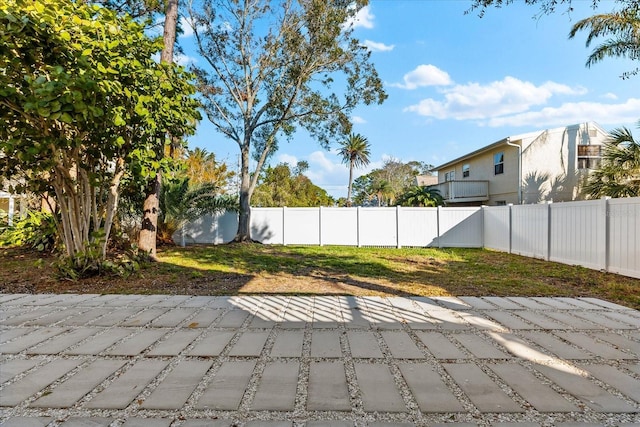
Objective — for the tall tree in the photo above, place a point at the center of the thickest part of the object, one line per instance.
(394, 177)
(619, 172)
(354, 150)
(81, 100)
(623, 26)
(282, 186)
(203, 168)
(277, 65)
(150, 209)
(418, 196)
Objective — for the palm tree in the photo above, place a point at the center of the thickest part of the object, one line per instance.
(418, 196)
(623, 26)
(619, 173)
(203, 168)
(181, 202)
(355, 151)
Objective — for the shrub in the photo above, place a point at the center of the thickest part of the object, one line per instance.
(36, 230)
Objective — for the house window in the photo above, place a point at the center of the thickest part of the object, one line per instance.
(465, 171)
(498, 163)
(501, 203)
(589, 156)
(450, 176)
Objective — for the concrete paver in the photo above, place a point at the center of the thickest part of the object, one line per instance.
(479, 347)
(36, 381)
(9, 334)
(401, 345)
(23, 342)
(486, 395)
(328, 389)
(620, 342)
(593, 346)
(540, 396)
(136, 344)
(101, 342)
(227, 387)
(62, 342)
(626, 384)
(174, 344)
(115, 317)
(556, 346)
(288, 344)
(440, 346)
(212, 344)
(14, 367)
(70, 391)
(364, 345)
(249, 344)
(160, 361)
(178, 385)
(277, 389)
(592, 395)
(125, 388)
(429, 390)
(379, 391)
(325, 344)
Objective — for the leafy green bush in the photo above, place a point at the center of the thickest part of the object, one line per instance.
(36, 230)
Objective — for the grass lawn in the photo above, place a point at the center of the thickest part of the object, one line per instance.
(263, 269)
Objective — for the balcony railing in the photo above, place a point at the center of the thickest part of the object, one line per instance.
(463, 191)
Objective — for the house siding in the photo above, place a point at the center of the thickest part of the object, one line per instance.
(549, 165)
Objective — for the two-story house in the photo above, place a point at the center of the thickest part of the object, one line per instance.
(546, 165)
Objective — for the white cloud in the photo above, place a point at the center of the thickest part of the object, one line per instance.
(378, 47)
(184, 60)
(187, 27)
(474, 101)
(287, 158)
(610, 95)
(575, 112)
(364, 18)
(424, 75)
(357, 120)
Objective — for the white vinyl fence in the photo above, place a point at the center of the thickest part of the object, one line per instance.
(598, 234)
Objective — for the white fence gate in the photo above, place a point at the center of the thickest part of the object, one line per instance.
(598, 234)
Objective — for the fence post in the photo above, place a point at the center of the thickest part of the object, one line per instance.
(510, 205)
(320, 226)
(398, 245)
(482, 210)
(607, 232)
(284, 221)
(549, 223)
(358, 226)
(438, 225)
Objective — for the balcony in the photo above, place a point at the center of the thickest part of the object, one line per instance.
(463, 191)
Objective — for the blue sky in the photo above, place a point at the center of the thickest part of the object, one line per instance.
(458, 82)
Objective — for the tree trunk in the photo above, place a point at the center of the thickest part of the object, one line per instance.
(350, 184)
(148, 233)
(244, 216)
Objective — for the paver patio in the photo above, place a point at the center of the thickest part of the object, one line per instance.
(181, 361)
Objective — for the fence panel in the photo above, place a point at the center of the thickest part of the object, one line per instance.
(378, 227)
(597, 234)
(339, 226)
(418, 227)
(529, 230)
(496, 227)
(301, 226)
(460, 227)
(578, 233)
(267, 225)
(208, 229)
(624, 236)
